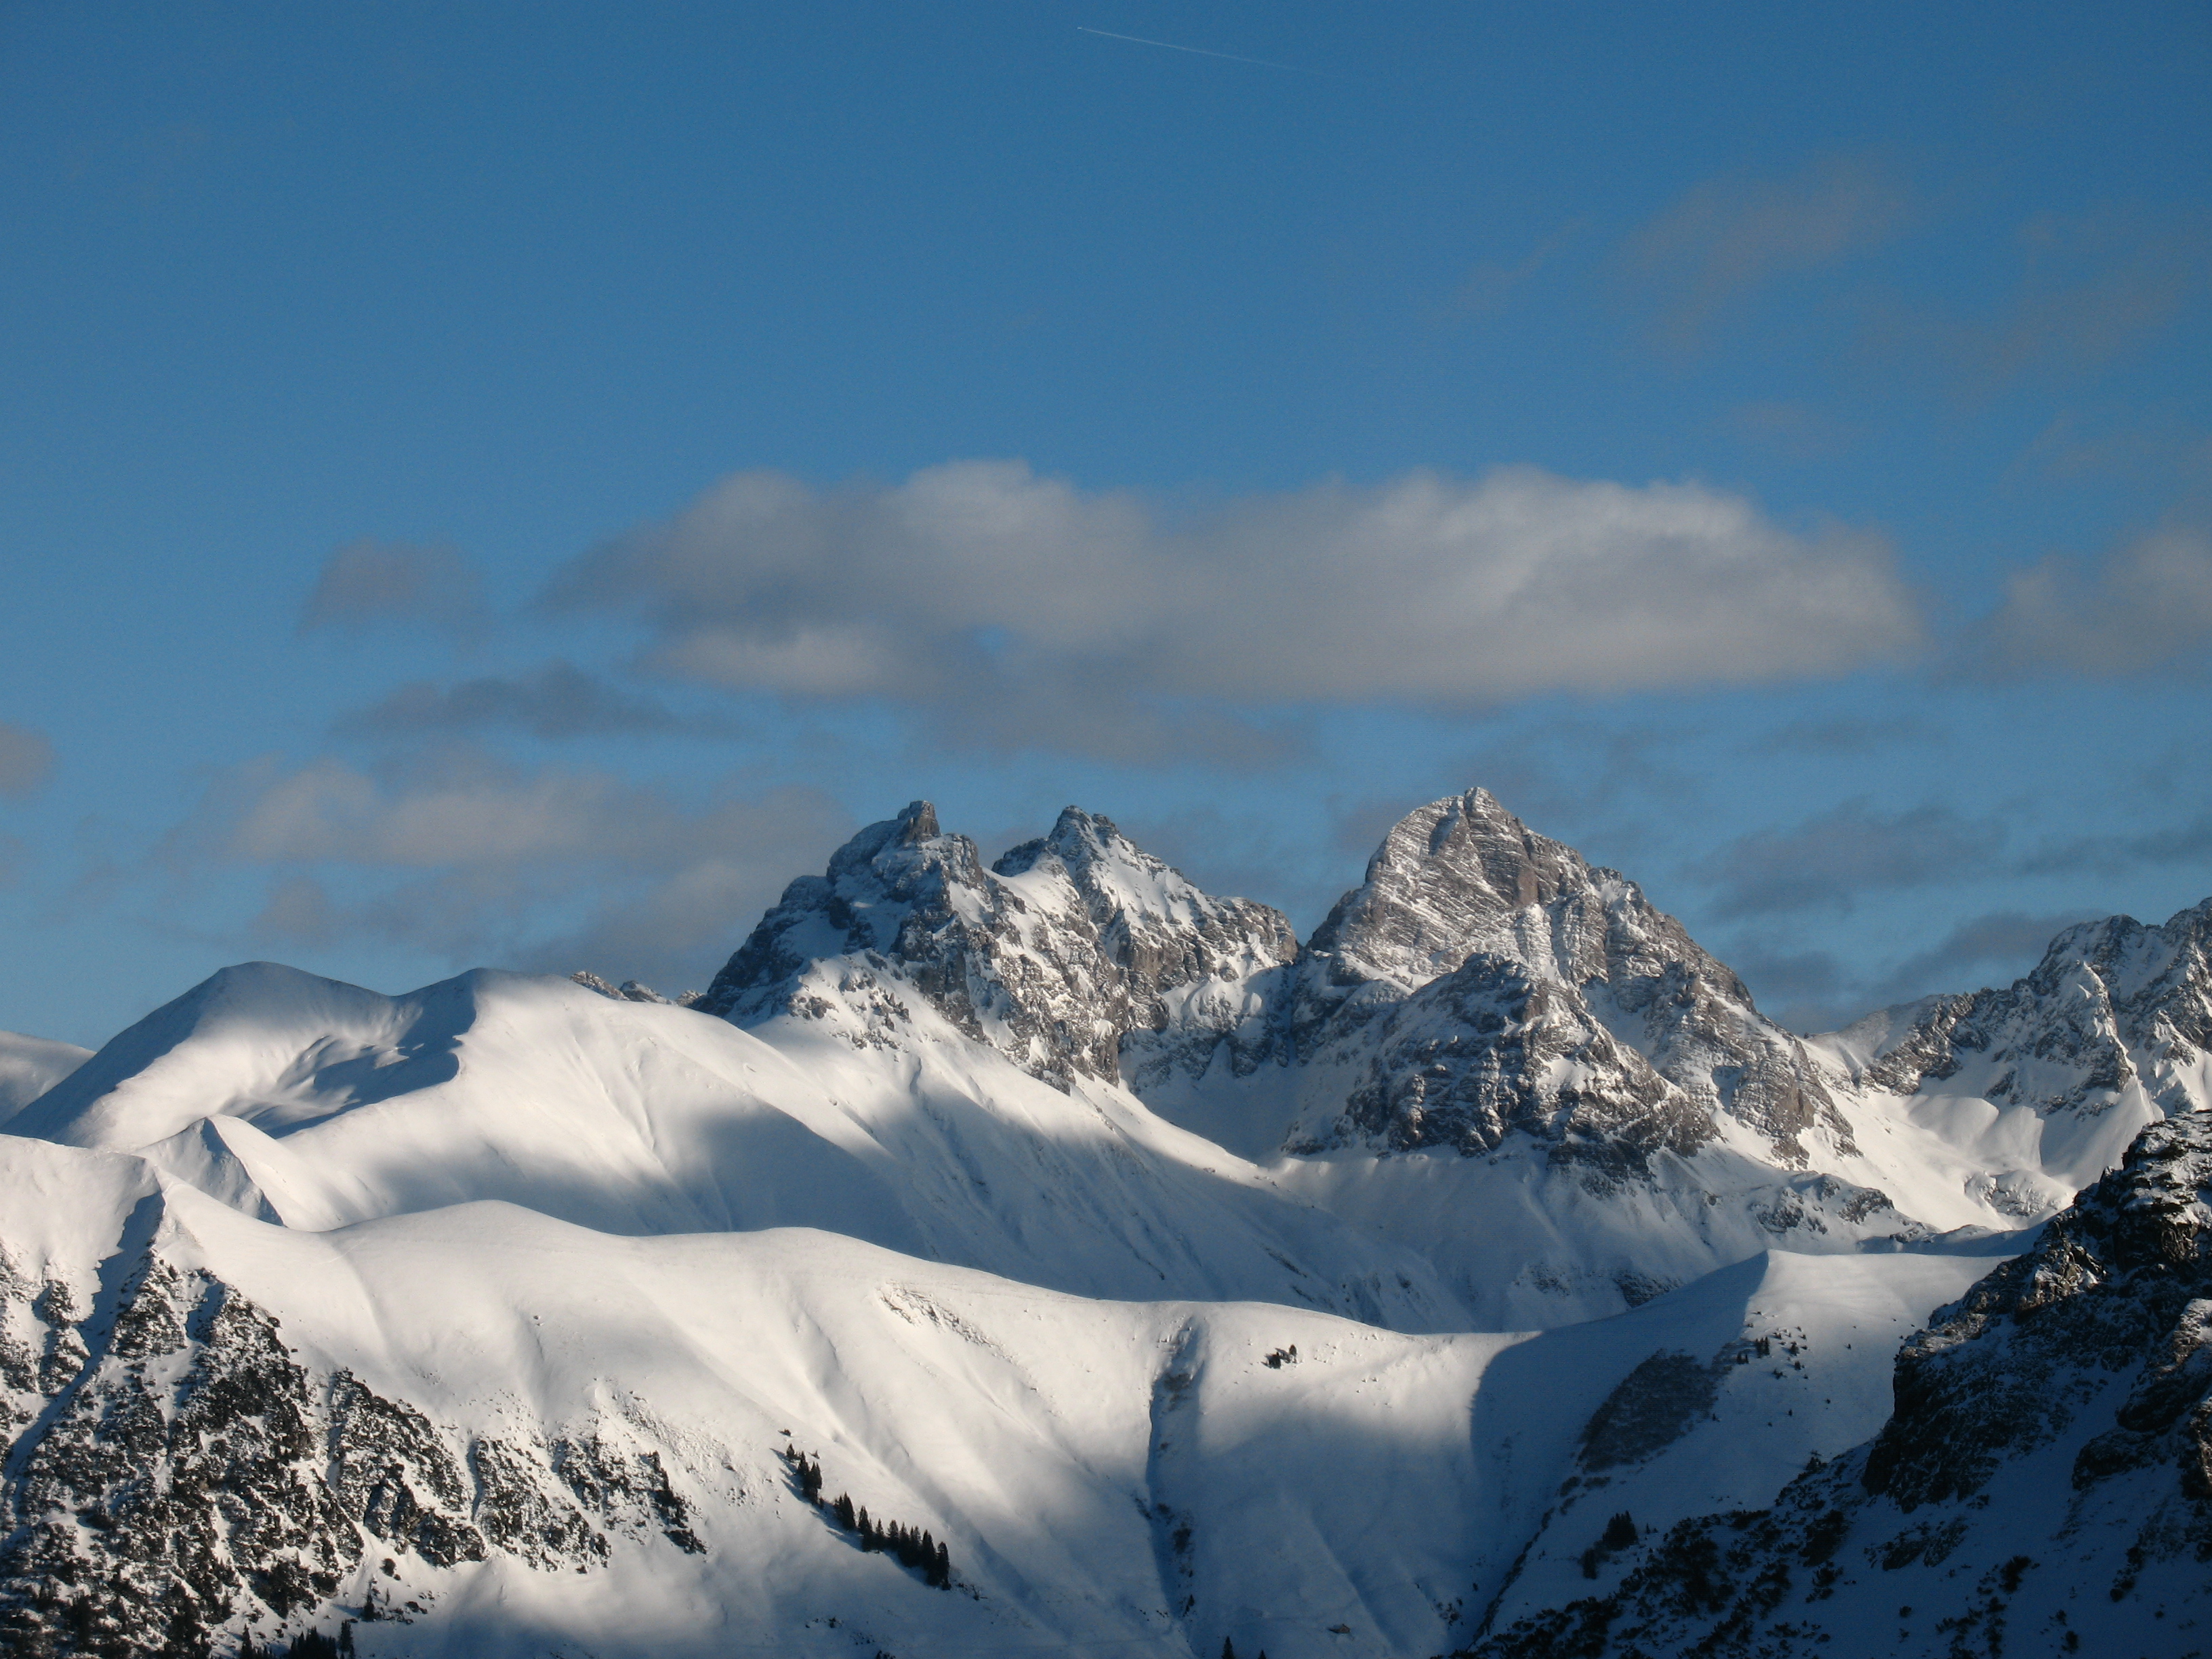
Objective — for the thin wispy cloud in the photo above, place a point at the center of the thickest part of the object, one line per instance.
(473, 859)
(26, 760)
(1726, 238)
(366, 583)
(556, 702)
(1829, 860)
(1196, 51)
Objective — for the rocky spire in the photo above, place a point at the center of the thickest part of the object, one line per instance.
(1067, 946)
(1483, 955)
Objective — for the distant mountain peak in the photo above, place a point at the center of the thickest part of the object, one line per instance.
(2114, 1008)
(1511, 983)
(1067, 944)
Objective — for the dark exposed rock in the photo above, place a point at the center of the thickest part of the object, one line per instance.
(395, 1474)
(1487, 1050)
(2117, 1283)
(630, 1491)
(189, 1462)
(521, 1512)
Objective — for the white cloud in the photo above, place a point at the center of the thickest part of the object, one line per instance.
(1020, 606)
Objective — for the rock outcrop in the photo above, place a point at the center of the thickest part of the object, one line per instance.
(2046, 1472)
(178, 1473)
(1067, 946)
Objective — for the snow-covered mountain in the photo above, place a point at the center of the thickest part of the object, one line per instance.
(2054, 1074)
(2043, 1484)
(317, 1105)
(1065, 948)
(1183, 1282)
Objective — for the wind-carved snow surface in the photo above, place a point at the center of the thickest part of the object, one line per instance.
(1187, 1283)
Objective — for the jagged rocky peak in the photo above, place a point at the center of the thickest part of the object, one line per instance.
(1450, 878)
(2114, 1007)
(1155, 923)
(1508, 979)
(1067, 946)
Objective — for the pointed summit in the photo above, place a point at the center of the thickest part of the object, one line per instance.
(1448, 879)
(1069, 945)
(1518, 986)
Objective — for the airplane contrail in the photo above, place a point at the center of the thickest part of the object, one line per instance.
(1169, 45)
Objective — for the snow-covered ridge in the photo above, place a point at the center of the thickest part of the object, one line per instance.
(510, 1436)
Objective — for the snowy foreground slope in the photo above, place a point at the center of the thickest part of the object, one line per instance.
(1183, 1281)
(564, 1441)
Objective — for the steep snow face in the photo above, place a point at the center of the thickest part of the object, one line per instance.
(298, 1099)
(30, 1066)
(2046, 1470)
(1483, 978)
(1070, 944)
(514, 1437)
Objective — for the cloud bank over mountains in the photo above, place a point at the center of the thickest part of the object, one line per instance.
(987, 609)
(1425, 589)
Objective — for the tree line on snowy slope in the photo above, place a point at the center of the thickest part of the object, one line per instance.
(914, 1549)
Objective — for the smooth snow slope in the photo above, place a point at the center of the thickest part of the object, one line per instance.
(1111, 1478)
(301, 1100)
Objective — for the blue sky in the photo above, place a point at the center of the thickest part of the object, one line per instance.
(516, 484)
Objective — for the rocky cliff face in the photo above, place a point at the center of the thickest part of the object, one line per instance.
(2113, 1006)
(178, 1477)
(2117, 1286)
(2044, 1481)
(1487, 978)
(1067, 946)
